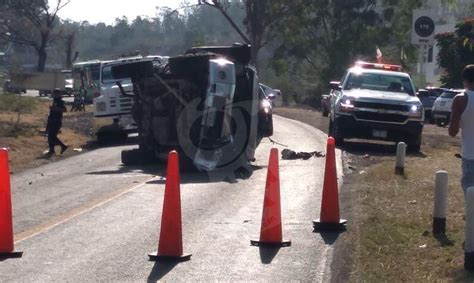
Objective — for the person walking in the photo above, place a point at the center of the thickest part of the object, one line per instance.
(462, 118)
(54, 123)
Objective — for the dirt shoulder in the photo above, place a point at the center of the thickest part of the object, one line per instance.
(389, 233)
(25, 136)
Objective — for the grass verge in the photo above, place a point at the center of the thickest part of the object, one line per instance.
(22, 124)
(389, 234)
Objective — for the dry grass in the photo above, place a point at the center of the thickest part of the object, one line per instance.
(26, 139)
(389, 235)
(392, 217)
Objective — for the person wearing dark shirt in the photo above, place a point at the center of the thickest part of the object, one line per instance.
(54, 124)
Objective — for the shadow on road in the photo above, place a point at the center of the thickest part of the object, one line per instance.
(267, 254)
(188, 176)
(160, 269)
(94, 144)
(156, 169)
(330, 238)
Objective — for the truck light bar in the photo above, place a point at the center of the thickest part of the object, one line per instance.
(388, 67)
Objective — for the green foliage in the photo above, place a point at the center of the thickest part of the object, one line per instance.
(456, 51)
(170, 33)
(323, 39)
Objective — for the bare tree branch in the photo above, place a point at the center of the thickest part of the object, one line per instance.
(216, 4)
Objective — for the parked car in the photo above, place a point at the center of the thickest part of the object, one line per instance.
(442, 107)
(325, 104)
(427, 97)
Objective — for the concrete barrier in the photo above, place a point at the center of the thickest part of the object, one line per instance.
(440, 202)
(400, 161)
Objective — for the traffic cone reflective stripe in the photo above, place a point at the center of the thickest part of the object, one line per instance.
(170, 245)
(329, 217)
(271, 227)
(6, 222)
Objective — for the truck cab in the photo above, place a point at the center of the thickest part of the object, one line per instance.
(376, 101)
(114, 100)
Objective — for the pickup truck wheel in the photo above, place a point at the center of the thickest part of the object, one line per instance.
(414, 148)
(415, 145)
(334, 132)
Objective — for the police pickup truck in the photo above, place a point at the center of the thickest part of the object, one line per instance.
(376, 101)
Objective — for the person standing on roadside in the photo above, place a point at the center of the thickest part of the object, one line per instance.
(55, 120)
(462, 118)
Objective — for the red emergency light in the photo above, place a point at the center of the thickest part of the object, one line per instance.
(387, 67)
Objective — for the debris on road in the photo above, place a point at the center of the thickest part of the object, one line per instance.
(77, 149)
(288, 154)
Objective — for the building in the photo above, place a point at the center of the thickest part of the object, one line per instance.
(447, 18)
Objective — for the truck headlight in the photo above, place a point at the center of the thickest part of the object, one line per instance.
(266, 104)
(416, 111)
(347, 104)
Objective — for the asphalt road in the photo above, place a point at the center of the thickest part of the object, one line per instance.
(87, 218)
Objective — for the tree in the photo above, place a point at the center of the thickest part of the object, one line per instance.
(456, 50)
(326, 36)
(262, 19)
(31, 23)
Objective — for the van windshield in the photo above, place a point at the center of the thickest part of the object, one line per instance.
(108, 78)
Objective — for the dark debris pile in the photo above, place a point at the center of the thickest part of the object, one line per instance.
(288, 154)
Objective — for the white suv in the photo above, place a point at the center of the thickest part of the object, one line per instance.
(441, 111)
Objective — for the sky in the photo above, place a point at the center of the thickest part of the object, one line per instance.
(106, 11)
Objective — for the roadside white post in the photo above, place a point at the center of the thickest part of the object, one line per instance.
(440, 203)
(400, 162)
(469, 241)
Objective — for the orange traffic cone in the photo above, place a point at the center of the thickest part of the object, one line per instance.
(6, 223)
(271, 230)
(170, 246)
(329, 218)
